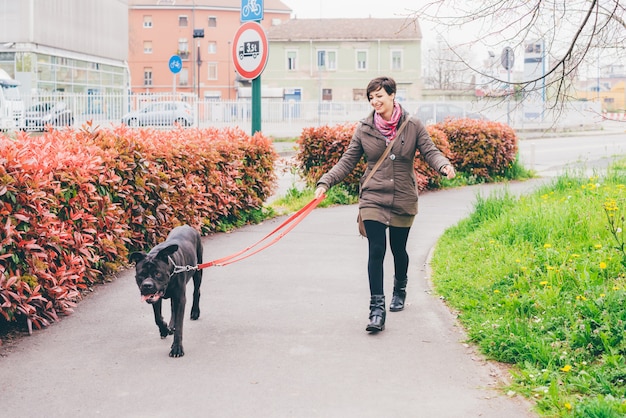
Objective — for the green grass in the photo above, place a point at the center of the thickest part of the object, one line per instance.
(295, 199)
(539, 282)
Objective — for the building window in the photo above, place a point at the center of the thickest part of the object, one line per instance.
(326, 60)
(147, 76)
(212, 71)
(183, 48)
(361, 60)
(183, 21)
(212, 47)
(147, 21)
(147, 47)
(327, 94)
(359, 95)
(212, 22)
(183, 77)
(292, 57)
(396, 60)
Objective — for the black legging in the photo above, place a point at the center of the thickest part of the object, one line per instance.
(377, 239)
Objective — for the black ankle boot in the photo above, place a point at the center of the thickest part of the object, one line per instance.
(399, 295)
(377, 314)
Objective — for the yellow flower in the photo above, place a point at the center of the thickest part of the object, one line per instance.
(566, 368)
(496, 291)
(543, 283)
(568, 406)
(602, 265)
(597, 246)
(547, 246)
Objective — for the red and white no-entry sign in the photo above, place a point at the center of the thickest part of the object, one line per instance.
(250, 50)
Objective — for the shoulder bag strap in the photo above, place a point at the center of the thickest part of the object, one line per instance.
(382, 157)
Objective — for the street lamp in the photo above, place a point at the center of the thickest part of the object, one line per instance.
(198, 33)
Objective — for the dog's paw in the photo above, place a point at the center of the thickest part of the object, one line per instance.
(165, 331)
(195, 314)
(177, 351)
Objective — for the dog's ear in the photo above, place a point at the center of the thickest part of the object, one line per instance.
(166, 252)
(137, 256)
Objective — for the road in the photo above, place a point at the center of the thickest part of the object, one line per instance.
(282, 334)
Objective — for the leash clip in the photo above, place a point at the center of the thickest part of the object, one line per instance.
(181, 269)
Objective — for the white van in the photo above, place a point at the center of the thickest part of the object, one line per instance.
(11, 103)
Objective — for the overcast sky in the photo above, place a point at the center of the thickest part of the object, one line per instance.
(306, 9)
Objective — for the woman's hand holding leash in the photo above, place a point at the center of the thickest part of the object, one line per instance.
(448, 170)
(320, 191)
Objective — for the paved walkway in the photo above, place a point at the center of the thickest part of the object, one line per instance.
(281, 334)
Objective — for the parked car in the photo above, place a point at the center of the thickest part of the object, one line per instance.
(438, 112)
(161, 114)
(48, 113)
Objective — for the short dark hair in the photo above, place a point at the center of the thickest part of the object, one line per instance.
(386, 83)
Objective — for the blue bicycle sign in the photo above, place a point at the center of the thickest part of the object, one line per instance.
(251, 10)
(175, 63)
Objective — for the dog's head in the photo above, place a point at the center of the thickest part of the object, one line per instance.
(153, 272)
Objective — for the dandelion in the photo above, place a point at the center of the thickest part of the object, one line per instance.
(543, 283)
(496, 291)
(568, 406)
(597, 246)
(602, 265)
(566, 368)
(547, 245)
(517, 260)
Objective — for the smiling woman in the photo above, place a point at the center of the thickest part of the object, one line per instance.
(388, 138)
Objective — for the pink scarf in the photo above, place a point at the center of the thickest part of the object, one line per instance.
(388, 128)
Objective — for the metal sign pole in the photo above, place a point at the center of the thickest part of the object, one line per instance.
(256, 105)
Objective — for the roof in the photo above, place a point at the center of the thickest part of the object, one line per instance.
(346, 29)
(273, 5)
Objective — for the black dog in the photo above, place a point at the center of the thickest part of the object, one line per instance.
(156, 279)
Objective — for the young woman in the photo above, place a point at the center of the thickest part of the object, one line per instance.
(389, 199)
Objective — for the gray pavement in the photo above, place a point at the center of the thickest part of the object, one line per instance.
(281, 334)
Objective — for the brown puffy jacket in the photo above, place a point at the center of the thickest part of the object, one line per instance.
(393, 188)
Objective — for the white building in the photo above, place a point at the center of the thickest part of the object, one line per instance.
(72, 46)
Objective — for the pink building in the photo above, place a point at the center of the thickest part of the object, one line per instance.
(200, 32)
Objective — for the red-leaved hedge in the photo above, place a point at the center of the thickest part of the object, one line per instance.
(480, 148)
(74, 203)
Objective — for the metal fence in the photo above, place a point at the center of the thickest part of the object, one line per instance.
(283, 118)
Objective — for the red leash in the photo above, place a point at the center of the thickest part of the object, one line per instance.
(294, 220)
